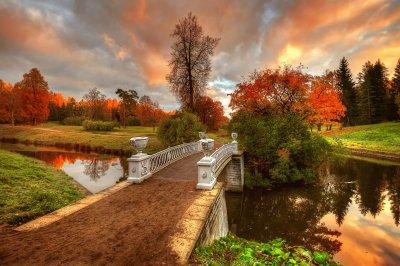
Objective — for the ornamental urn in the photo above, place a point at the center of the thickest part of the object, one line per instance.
(139, 143)
(234, 136)
(207, 145)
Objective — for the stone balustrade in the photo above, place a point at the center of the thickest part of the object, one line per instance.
(142, 166)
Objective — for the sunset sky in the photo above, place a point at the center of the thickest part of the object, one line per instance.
(83, 44)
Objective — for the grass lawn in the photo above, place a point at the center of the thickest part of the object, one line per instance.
(383, 137)
(29, 188)
(53, 132)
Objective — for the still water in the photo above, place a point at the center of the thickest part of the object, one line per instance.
(353, 213)
(93, 171)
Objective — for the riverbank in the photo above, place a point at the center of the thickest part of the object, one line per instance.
(232, 250)
(75, 137)
(382, 139)
(29, 188)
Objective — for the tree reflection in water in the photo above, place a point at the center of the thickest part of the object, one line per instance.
(294, 213)
(95, 168)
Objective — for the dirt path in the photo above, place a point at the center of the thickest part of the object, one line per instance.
(130, 227)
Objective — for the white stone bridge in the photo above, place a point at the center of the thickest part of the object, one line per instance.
(226, 158)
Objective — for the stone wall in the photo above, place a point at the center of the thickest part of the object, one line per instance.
(216, 224)
(233, 174)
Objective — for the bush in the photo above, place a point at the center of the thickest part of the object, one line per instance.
(74, 120)
(133, 121)
(285, 142)
(91, 125)
(180, 128)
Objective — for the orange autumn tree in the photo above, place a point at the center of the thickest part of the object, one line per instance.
(281, 90)
(289, 90)
(210, 112)
(9, 103)
(57, 106)
(324, 101)
(34, 97)
(149, 113)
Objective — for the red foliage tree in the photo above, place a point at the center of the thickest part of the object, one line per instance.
(34, 96)
(9, 103)
(150, 114)
(210, 112)
(288, 89)
(281, 90)
(324, 100)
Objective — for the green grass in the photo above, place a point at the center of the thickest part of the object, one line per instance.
(220, 136)
(232, 250)
(52, 133)
(29, 188)
(377, 137)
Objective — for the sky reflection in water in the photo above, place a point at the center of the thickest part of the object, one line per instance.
(93, 171)
(354, 213)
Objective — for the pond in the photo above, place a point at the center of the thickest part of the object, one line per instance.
(93, 171)
(353, 213)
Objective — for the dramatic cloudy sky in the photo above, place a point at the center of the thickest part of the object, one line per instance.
(83, 44)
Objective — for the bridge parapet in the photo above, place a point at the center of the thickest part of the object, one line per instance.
(142, 166)
(209, 167)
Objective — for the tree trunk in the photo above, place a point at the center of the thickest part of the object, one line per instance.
(12, 118)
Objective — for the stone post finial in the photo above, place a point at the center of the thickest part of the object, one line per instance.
(139, 164)
(234, 142)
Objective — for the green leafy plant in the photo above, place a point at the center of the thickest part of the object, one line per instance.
(284, 141)
(180, 128)
(232, 250)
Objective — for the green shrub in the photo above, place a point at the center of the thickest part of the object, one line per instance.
(180, 128)
(74, 120)
(133, 121)
(91, 125)
(285, 142)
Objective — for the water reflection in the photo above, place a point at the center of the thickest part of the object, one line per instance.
(353, 212)
(93, 171)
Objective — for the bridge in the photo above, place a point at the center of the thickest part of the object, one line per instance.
(143, 166)
(143, 221)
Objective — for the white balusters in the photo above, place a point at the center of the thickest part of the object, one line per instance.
(142, 166)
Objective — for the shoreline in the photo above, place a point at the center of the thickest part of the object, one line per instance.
(393, 157)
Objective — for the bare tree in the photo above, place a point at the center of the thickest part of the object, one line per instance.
(190, 61)
(96, 103)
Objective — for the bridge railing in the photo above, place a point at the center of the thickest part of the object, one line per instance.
(221, 155)
(209, 167)
(142, 166)
(165, 157)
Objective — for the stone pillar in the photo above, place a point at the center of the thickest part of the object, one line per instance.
(139, 168)
(206, 177)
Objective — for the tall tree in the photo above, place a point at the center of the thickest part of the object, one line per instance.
(190, 61)
(35, 96)
(324, 100)
(347, 91)
(373, 94)
(210, 112)
(277, 91)
(129, 100)
(396, 86)
(96, 104)
(9, 103)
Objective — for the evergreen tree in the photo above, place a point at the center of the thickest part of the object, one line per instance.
(348, 93)
(373, 97)
(396, 87)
